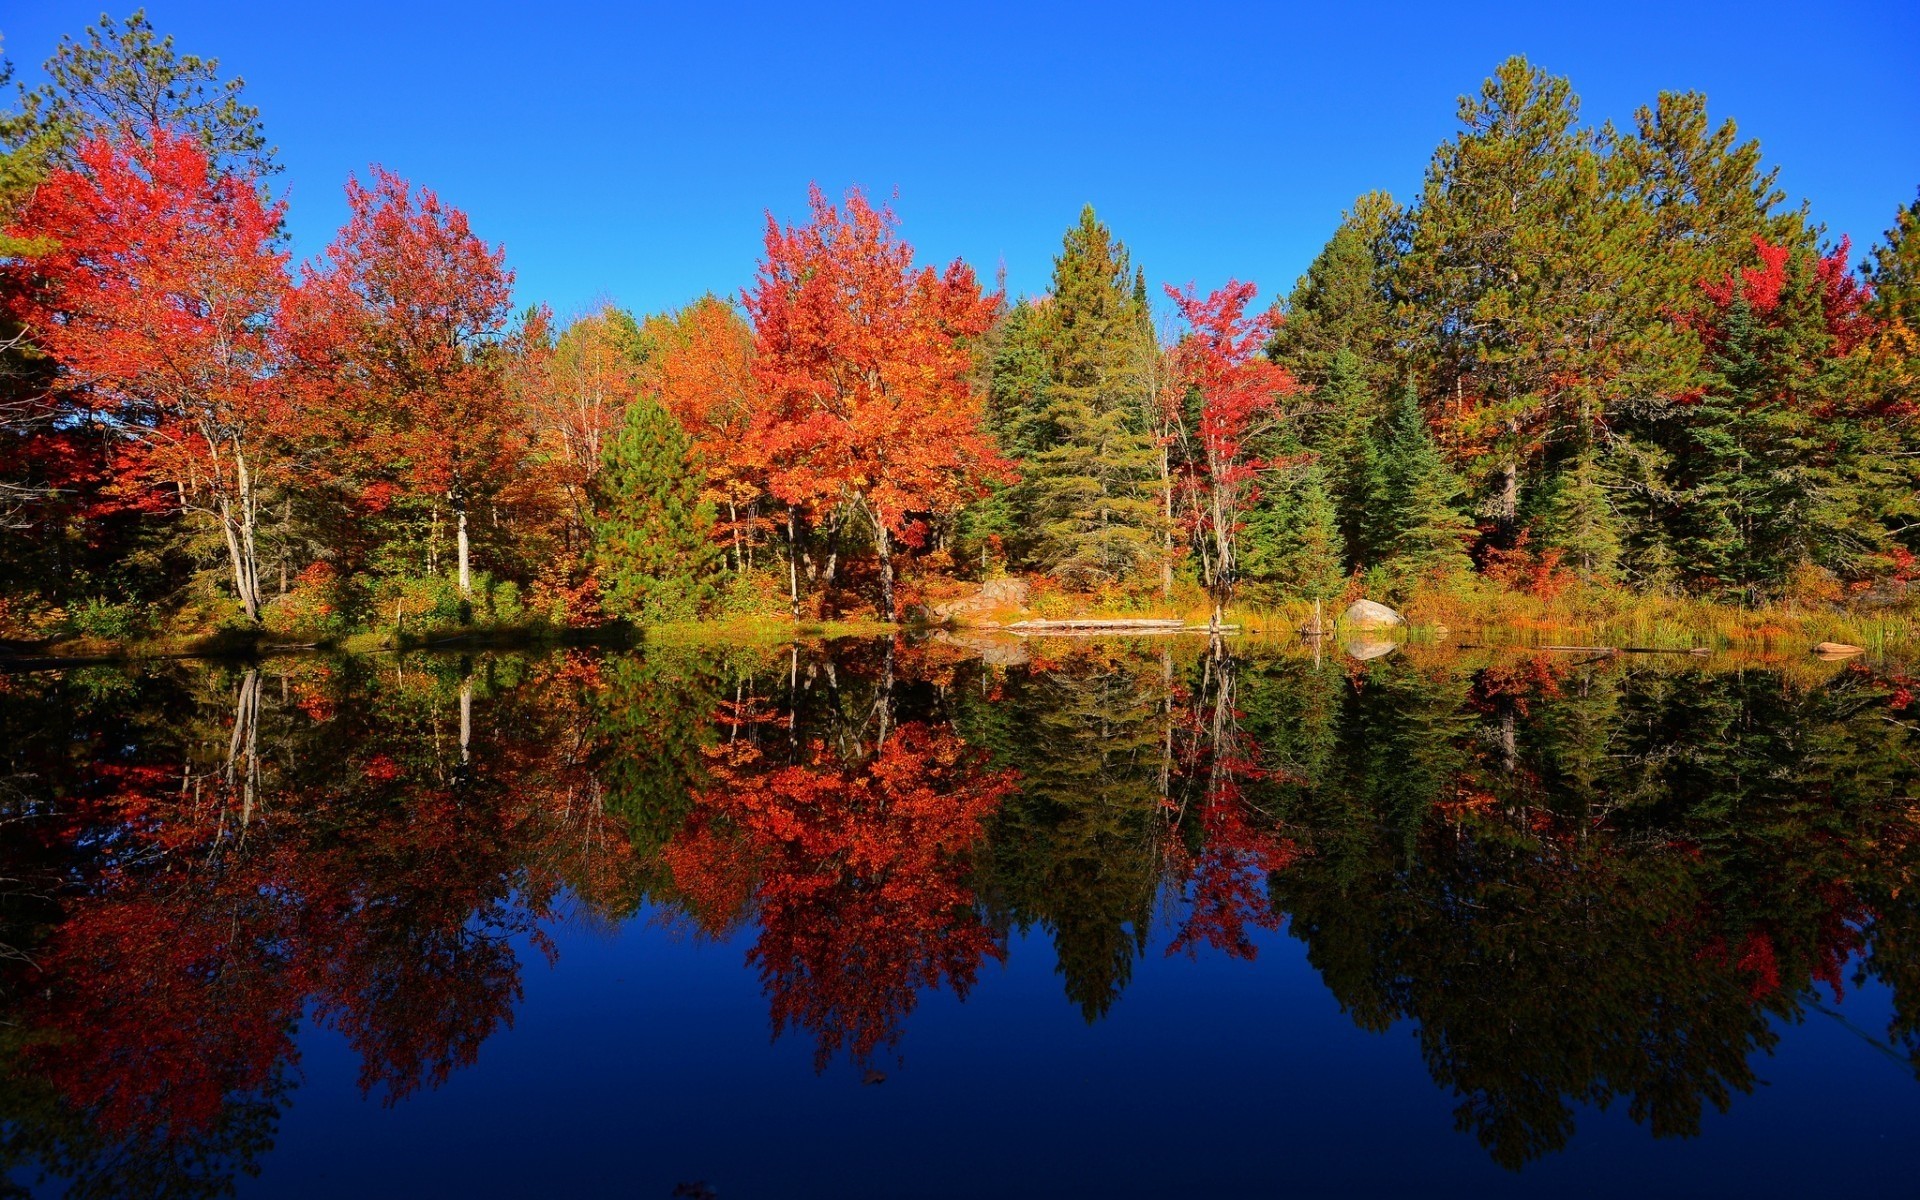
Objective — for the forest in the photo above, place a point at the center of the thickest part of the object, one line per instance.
(1583, 359)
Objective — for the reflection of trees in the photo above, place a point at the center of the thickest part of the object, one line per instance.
(1591, 884)
(1584, 883)
(367, 846)
(853, 867)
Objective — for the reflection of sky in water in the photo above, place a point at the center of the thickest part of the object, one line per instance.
(642, 1061)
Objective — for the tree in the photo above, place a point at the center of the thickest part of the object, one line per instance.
(1428, 534)
(1238, 390)
(701, 371)
(1088, 487)
(156, 297)
(865, 368)
(120, 78)
(396, 331)
(574, 391)
(1345, 435)
(653, 532)
(1527, 279)
(1311, 565)
(1577, 519)
(1708, 192)
(1342, 304)
(1782, 457)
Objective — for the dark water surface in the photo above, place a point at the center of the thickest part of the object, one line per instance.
(875, 920)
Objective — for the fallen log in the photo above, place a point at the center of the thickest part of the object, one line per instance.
(1101, 623)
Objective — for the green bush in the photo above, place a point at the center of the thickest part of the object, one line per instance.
(103, 619)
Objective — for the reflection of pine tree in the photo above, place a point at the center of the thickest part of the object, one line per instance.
(1073, 849)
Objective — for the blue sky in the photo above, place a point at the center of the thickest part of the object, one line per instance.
(629, 151)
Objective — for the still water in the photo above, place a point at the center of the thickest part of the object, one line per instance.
(872, 919)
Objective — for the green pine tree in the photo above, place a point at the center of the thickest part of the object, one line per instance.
(653, 534)
(1065, 396)
(1310, 566)
(1346, 439)
(1577, 518)
(1427, 531)
(1342, 305)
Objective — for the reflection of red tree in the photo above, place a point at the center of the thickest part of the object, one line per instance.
(382, 885)
(1223, 882)
(161, 1012)
(858, 871)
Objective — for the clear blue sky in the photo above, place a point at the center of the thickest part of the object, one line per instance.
(628, 151)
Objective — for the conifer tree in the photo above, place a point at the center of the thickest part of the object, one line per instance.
(1346, 439)
(1428, 532)
(1310, 566)
(1073, 368)
(1530, 291)
(1578, 519)
(1341, 304)
(653, 534)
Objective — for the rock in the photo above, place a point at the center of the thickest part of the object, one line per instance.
(1837, 650)
(1364, 649)
(1366, 614)
(995, 595)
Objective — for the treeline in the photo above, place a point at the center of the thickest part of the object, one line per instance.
(1581, 354)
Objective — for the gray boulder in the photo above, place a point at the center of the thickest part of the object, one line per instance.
(1366, 614)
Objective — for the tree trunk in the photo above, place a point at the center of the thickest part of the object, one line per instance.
(793, 565)
(237, 528)
(884, 541)
(460, 539)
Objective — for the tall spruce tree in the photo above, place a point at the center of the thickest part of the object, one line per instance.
(1310, 564)
(1345, 433)
(1068, 389)
(1577, 518)
(1427, 533)
(653, 535)
(1341, 305)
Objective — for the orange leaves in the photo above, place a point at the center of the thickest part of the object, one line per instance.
(858, 873)
(156, 296)
(391, 330)
(864, 361)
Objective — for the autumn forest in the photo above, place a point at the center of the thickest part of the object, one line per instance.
(872, 731)
(1581, 360)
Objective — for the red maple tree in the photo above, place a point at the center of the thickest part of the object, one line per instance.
(1221, 359)
(395, 332)
(156, 292)
(864, 365)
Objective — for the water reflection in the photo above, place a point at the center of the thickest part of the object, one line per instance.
(1583, 884)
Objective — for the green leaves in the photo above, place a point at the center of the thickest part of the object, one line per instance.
(653, 548)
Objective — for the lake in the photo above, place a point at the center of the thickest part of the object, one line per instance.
(1061, 917)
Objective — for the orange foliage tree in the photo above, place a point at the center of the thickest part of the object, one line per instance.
(864, 362)
(701, 371)
(396, 330)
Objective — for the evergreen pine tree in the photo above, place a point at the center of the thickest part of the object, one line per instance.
(1310, 565)
(1578, 519)
(653, 534)
(1427, 531)
(1066, 384)
(1342, 305)
(1346, 438)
